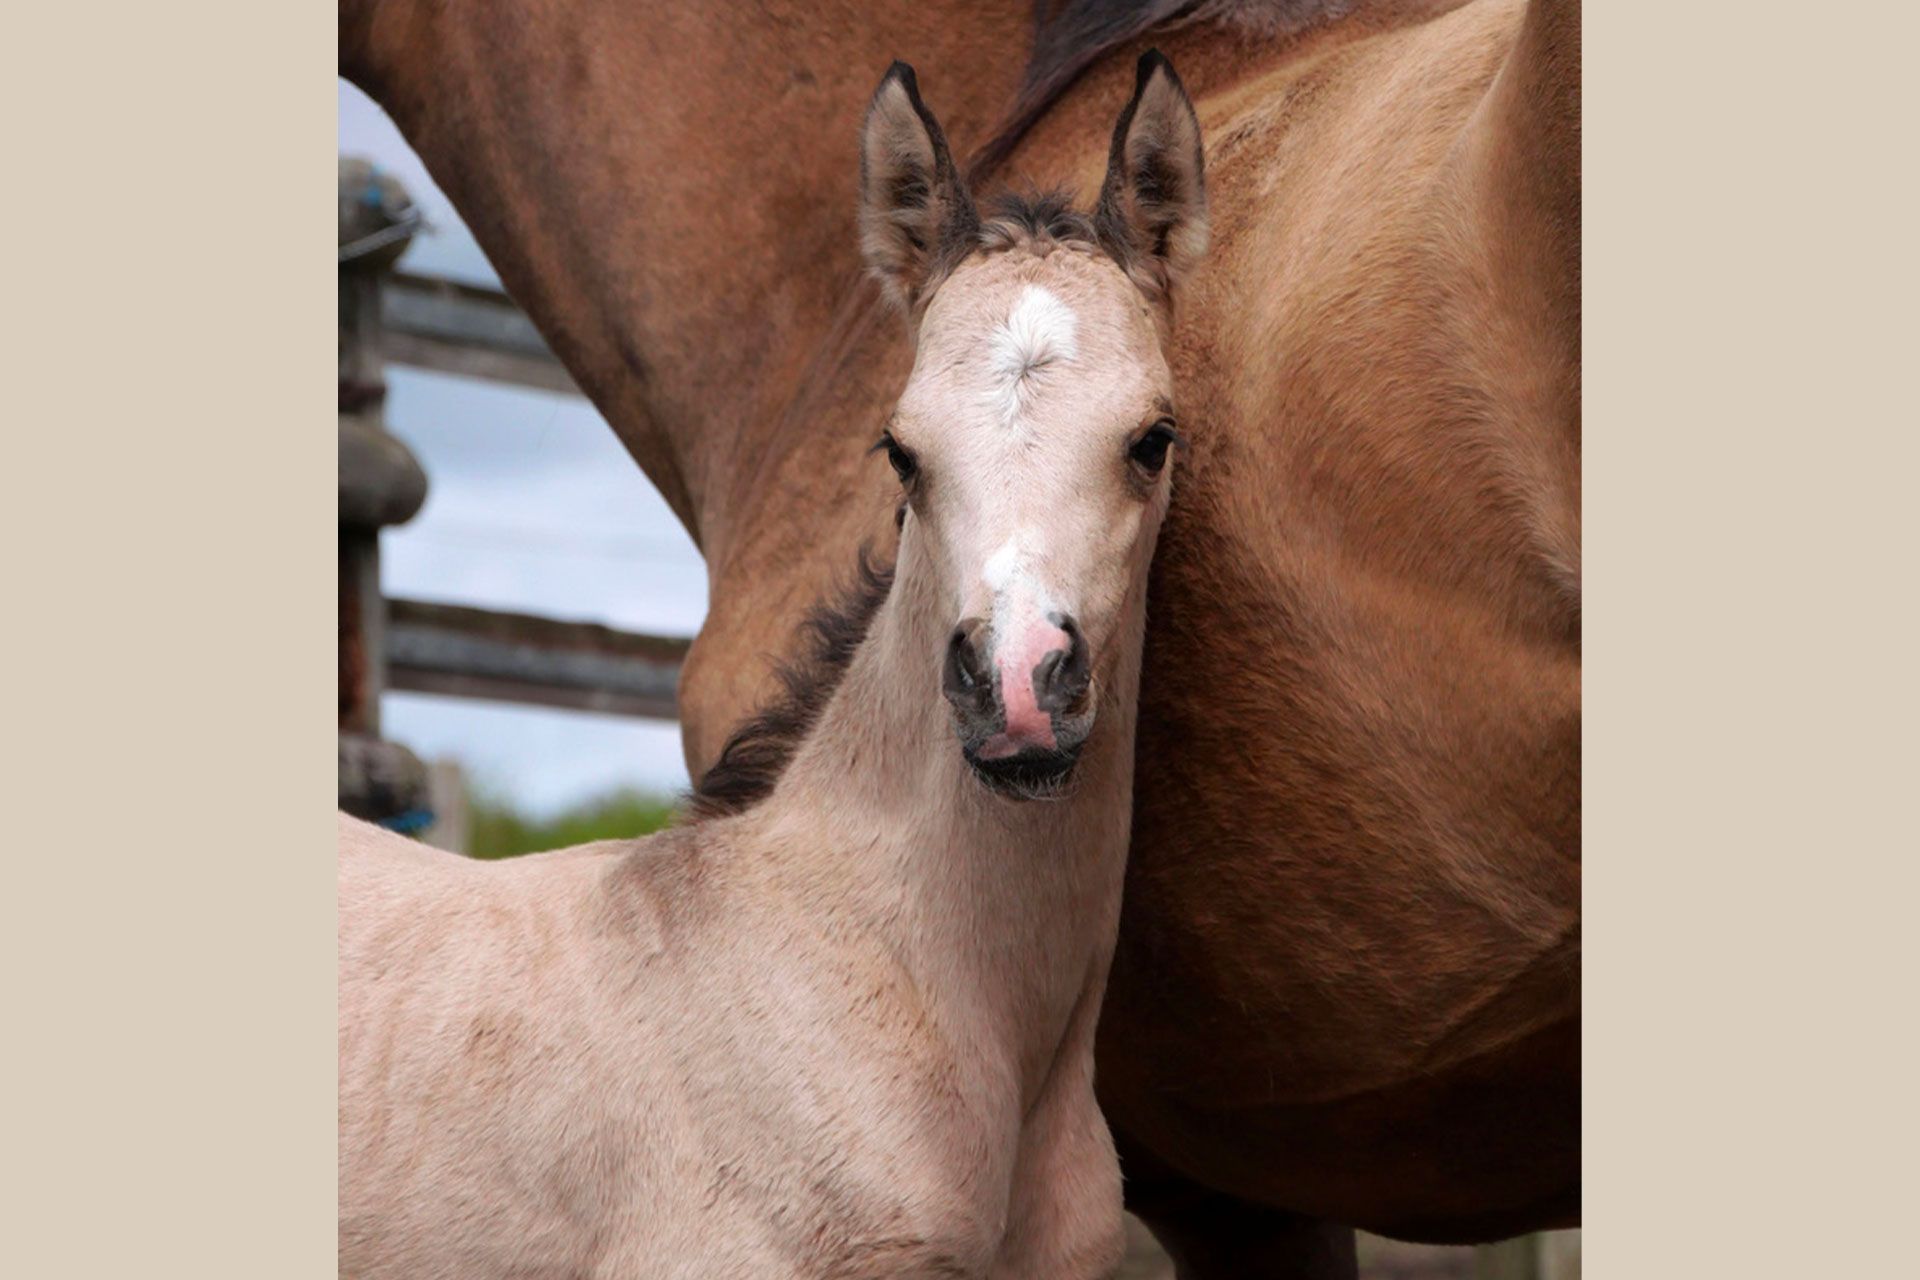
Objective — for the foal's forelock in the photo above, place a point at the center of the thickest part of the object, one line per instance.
(1033, 222)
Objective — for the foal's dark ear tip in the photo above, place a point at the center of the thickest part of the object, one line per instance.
(903, 72)
(1151, 61)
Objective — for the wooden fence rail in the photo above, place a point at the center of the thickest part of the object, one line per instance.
(469, 330)
(517, 657)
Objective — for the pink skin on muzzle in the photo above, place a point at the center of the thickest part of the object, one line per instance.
(1028, 727)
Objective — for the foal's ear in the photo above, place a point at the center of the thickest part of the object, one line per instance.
(916, 218)
(1153, 205)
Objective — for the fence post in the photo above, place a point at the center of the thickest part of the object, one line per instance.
(380, 484)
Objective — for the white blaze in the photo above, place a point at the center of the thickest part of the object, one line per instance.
(1002, 565)
(1018, 594)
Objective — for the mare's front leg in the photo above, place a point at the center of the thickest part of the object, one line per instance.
(1214, 1236)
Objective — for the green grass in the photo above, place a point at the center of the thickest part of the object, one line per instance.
(498, 830)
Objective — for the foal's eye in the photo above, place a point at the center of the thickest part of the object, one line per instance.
(903, 463)
(1149, 452)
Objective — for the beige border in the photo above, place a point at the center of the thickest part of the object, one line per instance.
(1750, 223)
(1750, 895)
(168, 470)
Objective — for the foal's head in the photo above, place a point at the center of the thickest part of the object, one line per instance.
(1034, 442)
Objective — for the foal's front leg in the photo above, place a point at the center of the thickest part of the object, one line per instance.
(1064, 1218)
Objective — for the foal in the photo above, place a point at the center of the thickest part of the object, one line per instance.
(844, 1028)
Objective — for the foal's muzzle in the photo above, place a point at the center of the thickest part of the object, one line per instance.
(1023, 714)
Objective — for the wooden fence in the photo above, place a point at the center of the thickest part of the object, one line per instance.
(393, 317)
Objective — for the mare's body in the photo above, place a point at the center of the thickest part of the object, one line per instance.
(1346, 988)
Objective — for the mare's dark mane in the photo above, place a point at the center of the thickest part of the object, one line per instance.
(759, 750)
(1071, 35)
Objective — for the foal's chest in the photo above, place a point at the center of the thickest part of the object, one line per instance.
(872, 1167)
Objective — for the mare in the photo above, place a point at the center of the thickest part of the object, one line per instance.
(1346, 990)
(842, 1023)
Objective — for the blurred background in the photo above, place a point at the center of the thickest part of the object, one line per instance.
(531, 507)
(515, 595)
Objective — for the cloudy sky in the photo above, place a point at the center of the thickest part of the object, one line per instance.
(532, 505)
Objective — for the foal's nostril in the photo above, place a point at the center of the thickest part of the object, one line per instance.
(964, 678)
(1061, 678)
(959, 662)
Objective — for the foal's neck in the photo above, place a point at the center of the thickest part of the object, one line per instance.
(1005, 909)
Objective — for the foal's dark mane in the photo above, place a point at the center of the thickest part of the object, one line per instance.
(758, 751)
